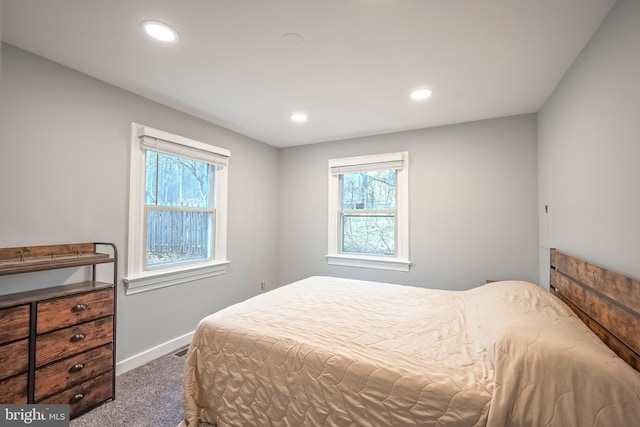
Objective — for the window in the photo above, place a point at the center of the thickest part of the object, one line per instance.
(368, 211)
(177, 210)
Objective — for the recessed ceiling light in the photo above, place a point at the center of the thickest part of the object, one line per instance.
(160, 31)
(421, 94)
(299, 117)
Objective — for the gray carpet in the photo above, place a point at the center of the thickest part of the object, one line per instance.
(147, 396)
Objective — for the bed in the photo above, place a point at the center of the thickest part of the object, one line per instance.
(334, 352)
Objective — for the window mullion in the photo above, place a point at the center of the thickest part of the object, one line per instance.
(367, 211)
(180, 234)
(369, 237)
(195, 233)
(157, 177)
(178, 208)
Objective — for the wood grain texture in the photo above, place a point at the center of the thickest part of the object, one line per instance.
(93, 392)
(39, 258)
(14, 323)
(14, 358)
(620, 322)
(621, 349)
(45, 251)
(56, 345)
(60, 375)
(62, 312)
(52, 292)
(607, 302)
(14, 390)
(622, 289)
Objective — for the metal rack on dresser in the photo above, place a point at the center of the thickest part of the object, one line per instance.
(57, 344)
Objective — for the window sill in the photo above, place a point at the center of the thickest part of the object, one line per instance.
(379, 263)
(150, 280)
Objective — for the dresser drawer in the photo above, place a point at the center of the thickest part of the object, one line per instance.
(83, 396)
(14, 358)
(75, 339)
(60, 375)
(14, 323)
(67, 311)
(14, 390)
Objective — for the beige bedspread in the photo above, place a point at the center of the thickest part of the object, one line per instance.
(334, 352)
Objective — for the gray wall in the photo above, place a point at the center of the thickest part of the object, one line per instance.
(64, 166)
(473, 195)
(1, 7)
(589, 147)
(477, 190)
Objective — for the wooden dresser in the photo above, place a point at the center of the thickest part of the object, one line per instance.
(57, 345)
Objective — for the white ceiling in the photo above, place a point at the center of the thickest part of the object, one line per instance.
(352, 73)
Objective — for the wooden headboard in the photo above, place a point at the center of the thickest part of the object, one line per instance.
(607, 302)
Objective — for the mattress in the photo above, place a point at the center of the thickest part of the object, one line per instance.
(334, 352)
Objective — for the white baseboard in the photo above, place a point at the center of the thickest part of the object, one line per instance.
(153, 353)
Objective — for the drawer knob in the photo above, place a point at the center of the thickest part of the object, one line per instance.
(76, 368)
(79, 307)
(77, 337)
(76, 398)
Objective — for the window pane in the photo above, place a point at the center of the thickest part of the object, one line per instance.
(151, 179)
(369, 190)
(176, 236)
(179, 182)
(368, 234)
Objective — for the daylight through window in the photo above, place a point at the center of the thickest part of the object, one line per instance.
(368, 215)
(368, 211)
(177, 210)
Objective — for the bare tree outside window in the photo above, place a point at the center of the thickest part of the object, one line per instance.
(368, 212)
(179, 211)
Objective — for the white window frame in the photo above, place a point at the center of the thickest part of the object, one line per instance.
(399, 161)
(142, 279)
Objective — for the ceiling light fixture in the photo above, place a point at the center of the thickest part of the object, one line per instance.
(421, 94)
(299, 117)
(160, 31)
